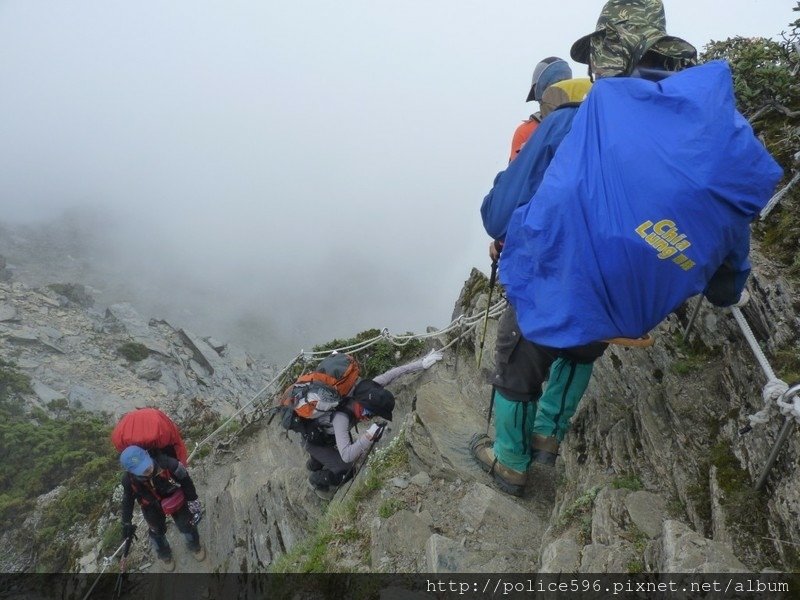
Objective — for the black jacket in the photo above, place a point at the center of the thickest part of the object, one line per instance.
(169, 475)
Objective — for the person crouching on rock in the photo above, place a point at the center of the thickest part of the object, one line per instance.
(162, 486)
(333, 453)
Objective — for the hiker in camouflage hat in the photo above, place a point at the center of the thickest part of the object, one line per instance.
(632, 33)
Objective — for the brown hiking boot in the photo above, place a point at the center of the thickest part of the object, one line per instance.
(545, 449)
(510, 481)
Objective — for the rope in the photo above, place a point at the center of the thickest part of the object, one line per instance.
(106, 563)
(238, 412)
(790, 408)
(772, 393)
(465, 324)
(751, 339)
(775, 388)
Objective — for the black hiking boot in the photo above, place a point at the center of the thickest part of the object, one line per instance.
(510, 481)
(321, 484)
(320, 479)
(312, 464)
(325, 482)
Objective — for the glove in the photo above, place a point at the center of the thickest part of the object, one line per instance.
(432, 358)
(197, 511)
(128, 531)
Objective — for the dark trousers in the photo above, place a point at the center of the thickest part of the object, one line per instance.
(523, 366)
(157, 523)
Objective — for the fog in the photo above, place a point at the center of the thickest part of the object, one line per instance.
(281, 173)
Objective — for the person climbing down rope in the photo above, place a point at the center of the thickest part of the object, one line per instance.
(162, 486)
(610, 240)
(332, 451)
(548, 71)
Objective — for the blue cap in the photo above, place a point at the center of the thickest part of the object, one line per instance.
(135, 460)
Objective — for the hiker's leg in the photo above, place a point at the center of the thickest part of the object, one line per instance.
(521, 368)
(327, 478)
(183, 519)
(328, 457)
(157, 526)
(565, 387)
(334, 470)
(567, 382)
(312, 464)
(513, 427)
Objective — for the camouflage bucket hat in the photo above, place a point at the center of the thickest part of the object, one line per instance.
(626, 30)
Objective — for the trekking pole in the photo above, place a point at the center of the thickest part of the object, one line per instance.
(492, 279)
(782, 437)
(122, 564)
(692, 319)
(491, 406)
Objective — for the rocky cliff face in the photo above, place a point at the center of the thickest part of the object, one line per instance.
(654, 476)
(657, 441)
(82, 361)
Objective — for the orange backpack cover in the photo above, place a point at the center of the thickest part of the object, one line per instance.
(339, 371)
(150, 429)
(324, 389)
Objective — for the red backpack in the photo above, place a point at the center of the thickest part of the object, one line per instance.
(150, 429)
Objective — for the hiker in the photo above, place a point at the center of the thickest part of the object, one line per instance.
(581, 264)
(162, 486)
(332, 451)
(547, 72)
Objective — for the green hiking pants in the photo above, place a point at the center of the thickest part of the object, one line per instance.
(516, 422)
(513, 429)
(565, 387)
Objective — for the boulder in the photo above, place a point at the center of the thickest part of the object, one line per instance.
(8, 313)
(404, 533)
(683, 550)
(123, 317)
(561, 556)
(149, 370)
(494, 514)
(647, 511)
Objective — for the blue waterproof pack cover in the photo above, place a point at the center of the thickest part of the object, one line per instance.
(653, 188)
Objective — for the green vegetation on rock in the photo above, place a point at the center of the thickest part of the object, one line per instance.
(627, 482)
(41, 453)
(694, 355)
(765, 74)
(133, 351)
(340, 525)
(379, 357)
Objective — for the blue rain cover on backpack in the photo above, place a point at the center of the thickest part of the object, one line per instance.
(653, 188)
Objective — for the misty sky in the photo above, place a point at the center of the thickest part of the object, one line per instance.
(319, 163)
